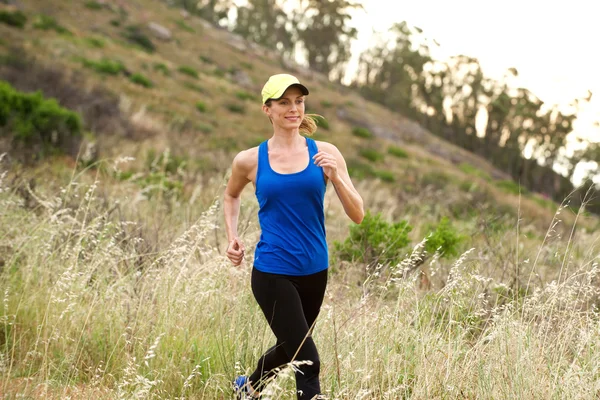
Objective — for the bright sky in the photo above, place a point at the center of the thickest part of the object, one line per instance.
(553, 44)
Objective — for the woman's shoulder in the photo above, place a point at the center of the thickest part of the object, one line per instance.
(247, 159)
(326, 146)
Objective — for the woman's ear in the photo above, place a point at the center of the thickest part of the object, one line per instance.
(266, 110)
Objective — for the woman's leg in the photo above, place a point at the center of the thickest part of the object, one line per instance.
(311, 289)
(279, 298)
(268, 366)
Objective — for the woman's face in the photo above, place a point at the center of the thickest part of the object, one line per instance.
(288, 111)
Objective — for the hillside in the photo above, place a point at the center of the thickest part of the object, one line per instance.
(203, 101)
(112, 270)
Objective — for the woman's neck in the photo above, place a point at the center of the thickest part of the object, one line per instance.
(287, 139)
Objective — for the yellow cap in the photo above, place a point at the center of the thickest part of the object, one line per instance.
(278, 84)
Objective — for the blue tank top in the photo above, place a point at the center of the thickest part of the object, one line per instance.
(291, 217)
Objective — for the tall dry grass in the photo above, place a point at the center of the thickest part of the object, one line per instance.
(108, 294)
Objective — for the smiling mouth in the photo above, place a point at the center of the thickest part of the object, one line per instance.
(292, 118)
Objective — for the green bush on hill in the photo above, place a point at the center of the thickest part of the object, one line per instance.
(472, 170)
(16, 18)
(161, 67)
(362, 132)
(141, 80)
(444, 239)
(511, 187)
(189, 71)
(236, 108)
(243, 95)
(200, 106)
(359, 170)
(95, 42)
(136, 36)
(93, 5)
(206, 59)
(397, 152)
(47, 23)
(371, 154)
(181, 24)
(193, 86)
(375, 240)
(104, 66)
(385, 176)
(35, 121)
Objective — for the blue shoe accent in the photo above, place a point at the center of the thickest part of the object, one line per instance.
(240, 388)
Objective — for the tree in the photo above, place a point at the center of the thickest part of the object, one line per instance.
(265, 23)
(392, 72)
(213, 11)
(322, 26)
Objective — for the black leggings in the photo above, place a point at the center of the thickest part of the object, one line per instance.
(291, 305)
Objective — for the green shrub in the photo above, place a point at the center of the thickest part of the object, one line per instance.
(511, 187)
(115, 22)
(375, 240)
(46, 23)
(200, 106)
(161, 67)
(362, 132)
(15, 18)
(445, 239)
(359, 170)
(385, 176)
(104, 66)
(35, 121)
(436, 179)
(247, 65)
(205, 128)
(165, 162)
(93, 5)
(159, 183)
(141, 80)
(321, 122)
(206, 59)
(326, 104)
(467, 186)
(134, 35)
(471, 170)
(545, 202)
(236, 108)
(397, 152)
(181, 24)
(94, 42)
(371, 154)
(194, 86)
(189, 71)
(219, 72)
(242, 95)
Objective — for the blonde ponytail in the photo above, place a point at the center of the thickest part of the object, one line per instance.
(308, 126)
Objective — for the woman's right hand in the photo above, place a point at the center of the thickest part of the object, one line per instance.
(235, 251)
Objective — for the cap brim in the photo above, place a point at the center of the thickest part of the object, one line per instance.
(303, 89)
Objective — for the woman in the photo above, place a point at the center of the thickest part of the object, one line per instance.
(290, 175)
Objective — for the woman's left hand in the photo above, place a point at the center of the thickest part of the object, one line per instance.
(329, 164)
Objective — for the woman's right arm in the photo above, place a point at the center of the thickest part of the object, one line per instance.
(231, 205)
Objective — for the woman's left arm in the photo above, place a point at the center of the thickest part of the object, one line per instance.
(335, 169)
